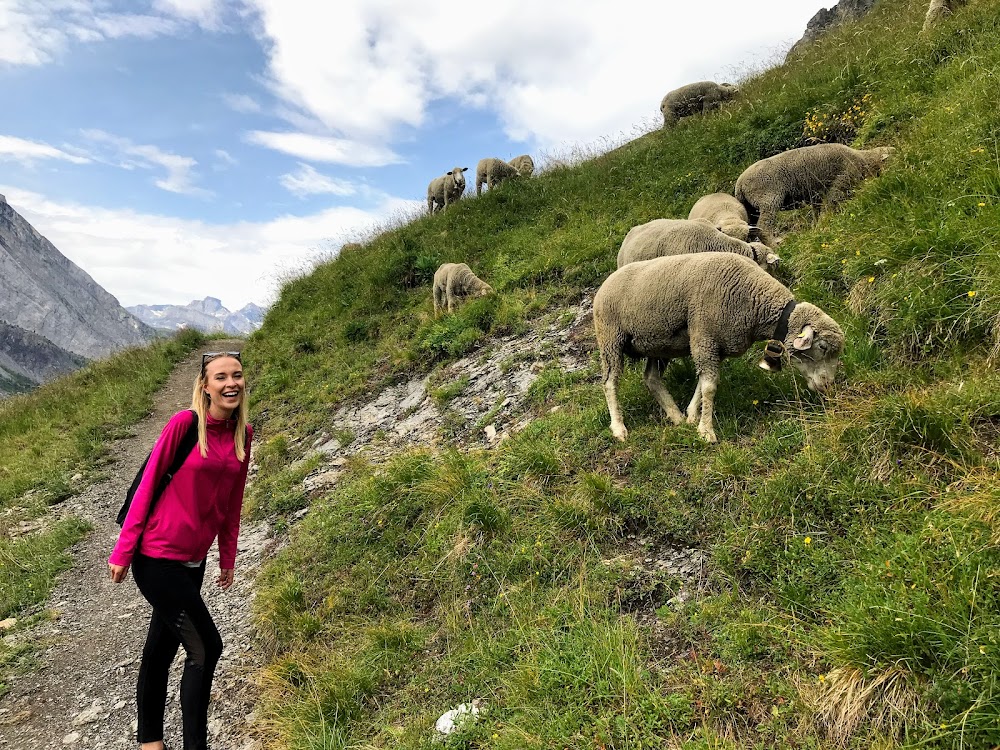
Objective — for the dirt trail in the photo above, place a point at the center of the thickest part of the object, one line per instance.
(84, 694)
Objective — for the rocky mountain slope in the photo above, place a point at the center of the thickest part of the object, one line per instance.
(27, 359)
(43, 292)
(207, 315)
(828, 18)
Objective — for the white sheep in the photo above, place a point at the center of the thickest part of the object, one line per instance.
(453, 281)
(939, 10)
(492, 172)
(820, 176)
(695, 98)
(726, 214)
(446, 189)
(662, 237)
(524, 165)
(708, 306)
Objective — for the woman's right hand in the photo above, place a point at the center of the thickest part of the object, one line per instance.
(118, 572)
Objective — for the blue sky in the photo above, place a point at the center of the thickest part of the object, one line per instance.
(176, 149)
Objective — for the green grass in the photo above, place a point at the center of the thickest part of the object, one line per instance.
(851, 598)
(49, 436)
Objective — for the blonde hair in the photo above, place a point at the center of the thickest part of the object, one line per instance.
(199, 404)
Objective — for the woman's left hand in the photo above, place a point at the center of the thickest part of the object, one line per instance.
(225, 579)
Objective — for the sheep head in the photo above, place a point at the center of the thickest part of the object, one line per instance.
(816, 348)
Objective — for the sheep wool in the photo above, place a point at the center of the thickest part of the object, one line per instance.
(663, 237)
(524, 165)
(708, 306)
(491, 172)
(452, 281)
(725, 213)
(821, 176)
(938, 10)
(446, 189)
(695, 98)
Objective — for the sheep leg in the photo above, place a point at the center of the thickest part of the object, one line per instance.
(707, 365)
(612, 358)
(450, 294)
(430, 205)
(694, 408)
(438, 300)
(651, 377)
(766, 222)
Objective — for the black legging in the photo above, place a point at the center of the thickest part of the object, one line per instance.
(179, 617)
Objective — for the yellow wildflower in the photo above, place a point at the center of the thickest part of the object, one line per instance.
(808, 540)
(871, 279)
(972, 293)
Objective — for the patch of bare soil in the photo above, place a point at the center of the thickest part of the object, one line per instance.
(83, 694)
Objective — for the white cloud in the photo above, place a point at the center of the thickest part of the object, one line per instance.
(206, 13)
(26, 151)
(129, 155)
(242, 103)
(151, 259)
(224, 160)
(35, 32)
(325, 148)
(553, 72)
(307, 181)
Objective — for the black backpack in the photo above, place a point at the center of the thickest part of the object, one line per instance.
(184, 449)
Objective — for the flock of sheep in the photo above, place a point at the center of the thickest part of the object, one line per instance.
(702, 286)
(449, 187)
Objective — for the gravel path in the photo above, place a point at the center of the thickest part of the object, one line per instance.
(83, 696)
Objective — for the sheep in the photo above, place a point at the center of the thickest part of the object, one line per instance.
(446, 189)
(524, 165)
(454, 280)
(493, 171)
(726, 214)
(662, 237)
(710, 306)
(821, 176)
(694, 98)
(938, 10)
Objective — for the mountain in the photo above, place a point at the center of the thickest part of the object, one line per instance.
(207, 315)
(829, 18)
(43, 292)
(27, 359)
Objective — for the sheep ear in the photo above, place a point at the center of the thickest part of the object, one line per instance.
(448, 173)
(772, 259)
(465, 169)
(804, 340)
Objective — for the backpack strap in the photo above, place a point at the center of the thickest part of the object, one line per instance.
(184, 448)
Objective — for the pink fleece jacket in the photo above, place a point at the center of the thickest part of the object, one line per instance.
(203, 500)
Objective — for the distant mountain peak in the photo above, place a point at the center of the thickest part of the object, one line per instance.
(207, 315)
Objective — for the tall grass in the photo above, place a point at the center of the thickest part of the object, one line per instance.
(851, 594)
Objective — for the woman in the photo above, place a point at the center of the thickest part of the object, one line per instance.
(167, 546)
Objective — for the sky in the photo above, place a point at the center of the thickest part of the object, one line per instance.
(178, 149)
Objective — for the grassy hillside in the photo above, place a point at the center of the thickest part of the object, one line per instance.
(852, 592)
(52, 442)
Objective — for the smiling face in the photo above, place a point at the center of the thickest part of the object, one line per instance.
(224, 385)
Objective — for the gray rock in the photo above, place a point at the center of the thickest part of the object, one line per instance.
(43, 292)
(826, 19)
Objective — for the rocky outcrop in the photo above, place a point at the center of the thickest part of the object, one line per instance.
(826, 19)
(207, 315)
(44, 292)
(27, 359)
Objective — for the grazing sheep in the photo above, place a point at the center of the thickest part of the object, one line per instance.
(662, 237)
(938, 10)
(454, 280)
(524, 165)
(446, 189)
(820, 176)
(726, 214)
(493, 171)
(694, 98)
(710, 306)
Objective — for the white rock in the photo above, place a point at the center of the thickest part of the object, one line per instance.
(89, 715)
(491, 432)
(70, 738)
(456, 718)
(8, 623)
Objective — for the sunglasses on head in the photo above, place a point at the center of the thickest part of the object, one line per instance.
(209, 356)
